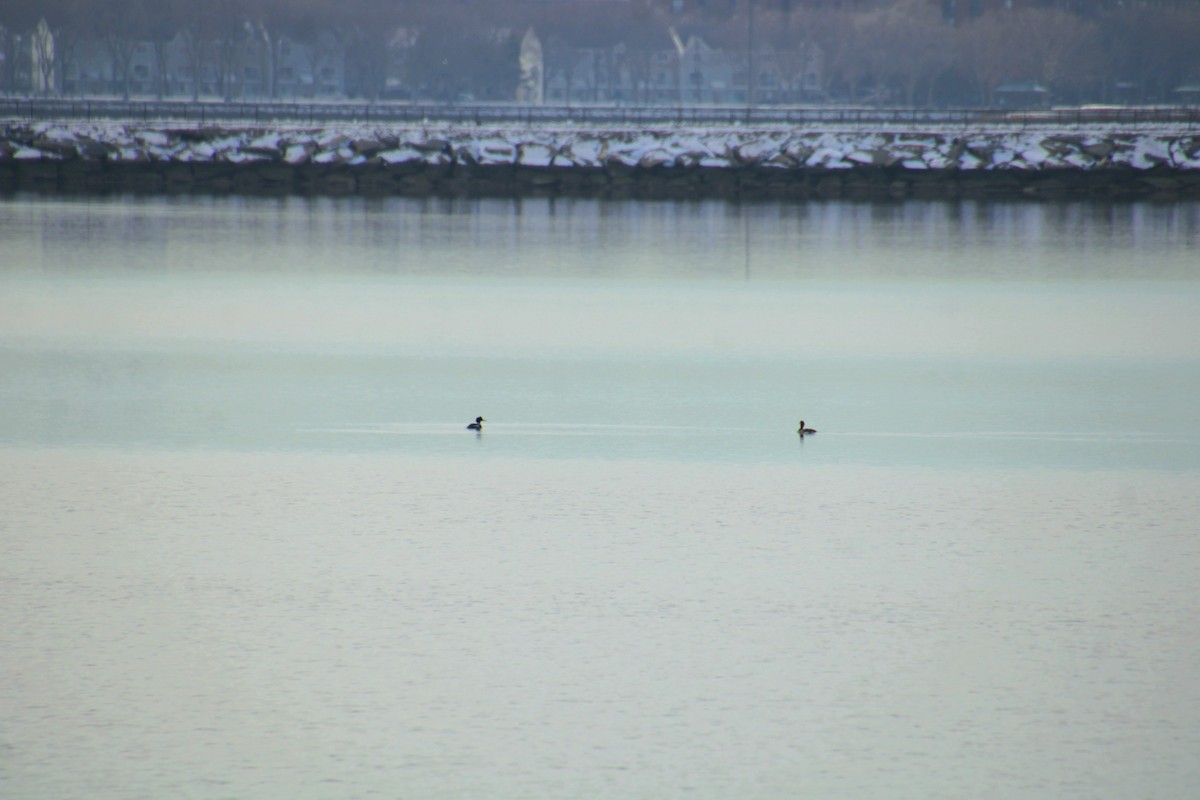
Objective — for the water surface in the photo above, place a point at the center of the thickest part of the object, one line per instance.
(249, 549)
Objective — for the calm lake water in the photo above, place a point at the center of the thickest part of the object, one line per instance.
(248, 549)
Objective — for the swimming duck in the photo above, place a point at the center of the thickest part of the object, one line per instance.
(803, 430)
(477, 425)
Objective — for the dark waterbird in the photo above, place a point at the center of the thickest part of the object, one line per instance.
(477, 425)
(803, 430)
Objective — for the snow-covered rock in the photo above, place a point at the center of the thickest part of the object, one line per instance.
(536, 154)
(1185, 155)
(754, 151)
(1022, 152)
(90, 149)
(402, 155)
(1078, 160)
(300, 153)
(58, 134)
(797, 150)
(829, 158)
(587, 151)
(130, 154)
(270, 144)
(242, 157)
(227, 144)
(626, 154)
(1035, 155)
(199, 151)
(935, 159)
(151, 138)
(656, 158)
(332, 139)
(877, 157)
(1003, 158)
(496, 150)
(1150, 152)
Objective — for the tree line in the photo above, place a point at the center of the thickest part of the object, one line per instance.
(892, 52)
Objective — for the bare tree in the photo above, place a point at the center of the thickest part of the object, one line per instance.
(161, 23)
(275, 23)
(1152, 46)
(647, 36)
(985, 49)
(198, 27)
(70, 21)
(461, 50)
(892, 50)
(120, 25)
(313, 27)
(1062, 48)
(581, 34)
(1048, 46)
(230, 31)
(431, 67)
(18, 19)
(791, 51)
(907, 46)
(369, 34)
(836, 33)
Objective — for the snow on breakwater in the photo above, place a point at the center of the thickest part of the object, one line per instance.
(669, 162)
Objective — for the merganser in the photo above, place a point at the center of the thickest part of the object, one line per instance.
(477, 425)
(803, 430)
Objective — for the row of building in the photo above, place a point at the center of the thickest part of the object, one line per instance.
(37, 65)
(685, 69)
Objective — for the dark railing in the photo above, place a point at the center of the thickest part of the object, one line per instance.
(18, 110)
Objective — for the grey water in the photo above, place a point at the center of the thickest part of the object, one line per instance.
(249, 548)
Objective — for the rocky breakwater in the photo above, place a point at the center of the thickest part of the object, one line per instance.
(669, 163)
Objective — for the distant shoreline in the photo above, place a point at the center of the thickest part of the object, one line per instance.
(668, 163)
